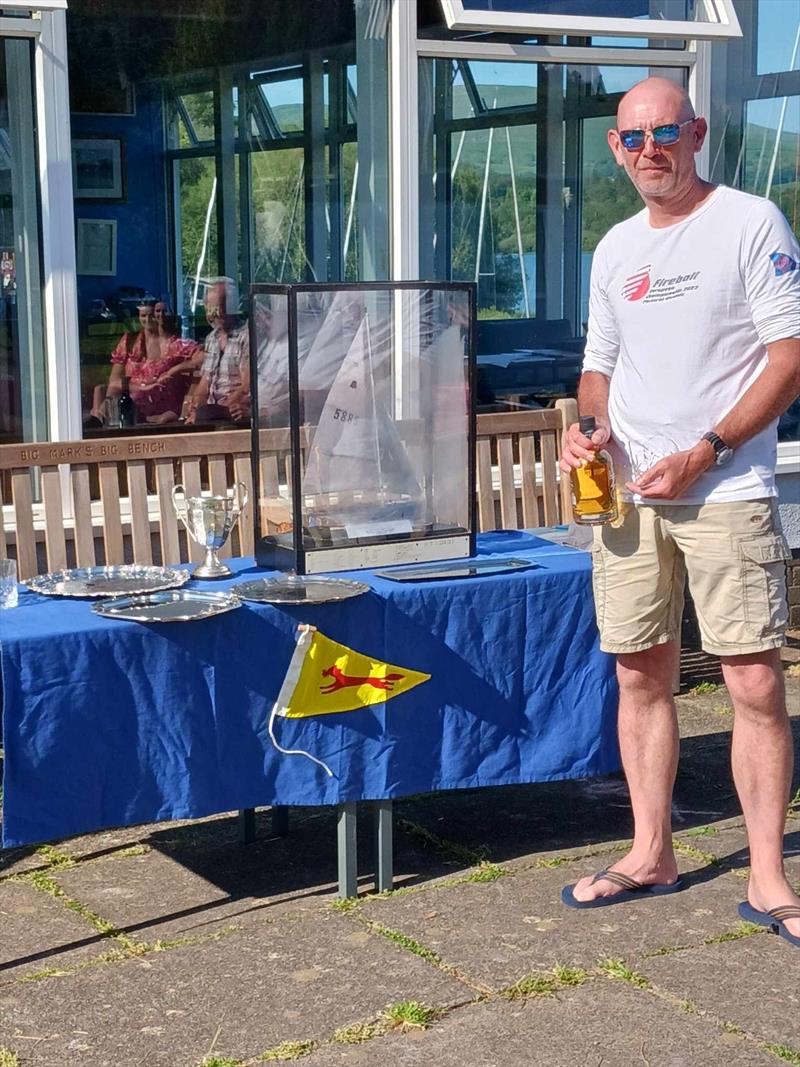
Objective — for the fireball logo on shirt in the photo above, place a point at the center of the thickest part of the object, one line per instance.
(783, 263)
(637, 285)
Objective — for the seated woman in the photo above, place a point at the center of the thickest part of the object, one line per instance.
(158, 364)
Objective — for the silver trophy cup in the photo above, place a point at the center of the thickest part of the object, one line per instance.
(208, 521)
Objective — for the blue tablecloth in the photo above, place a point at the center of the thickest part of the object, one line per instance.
(110, 723)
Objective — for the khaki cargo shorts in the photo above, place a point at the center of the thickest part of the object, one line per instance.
(733, 554)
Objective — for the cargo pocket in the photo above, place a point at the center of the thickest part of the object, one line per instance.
(763, 568)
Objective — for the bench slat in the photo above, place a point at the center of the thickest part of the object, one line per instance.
(140, 519)
(168, 520)
(54, 538)
(190, 473)
(508, 492)
(550, 494)
(82, 511)
(112, 521)
(527, 463)
(22, 495)
(486, 519)
(244, 528)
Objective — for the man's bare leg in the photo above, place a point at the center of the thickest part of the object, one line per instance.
(762, 770)
(648, 739)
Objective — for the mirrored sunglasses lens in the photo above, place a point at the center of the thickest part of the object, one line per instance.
(666, 134)
(632, 138)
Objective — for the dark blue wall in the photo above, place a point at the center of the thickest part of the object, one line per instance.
(142, 233)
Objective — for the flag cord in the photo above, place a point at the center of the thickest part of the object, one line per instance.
(295, 751)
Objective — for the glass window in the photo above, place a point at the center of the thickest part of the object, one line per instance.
(772, 153)
(516, 198)
(778, 36)
(213, 152)
(23, 409)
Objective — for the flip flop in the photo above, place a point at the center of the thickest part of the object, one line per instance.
(631, 890)
(774, 919)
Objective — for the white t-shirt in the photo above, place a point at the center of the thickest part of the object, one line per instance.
(679, 320)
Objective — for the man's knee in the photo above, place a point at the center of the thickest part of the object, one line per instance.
(755, 682)
(650, 671)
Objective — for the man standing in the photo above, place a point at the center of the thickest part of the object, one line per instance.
(693, 351)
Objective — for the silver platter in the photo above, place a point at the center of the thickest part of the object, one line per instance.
(169, 605)
(127, 579)
(300, 589)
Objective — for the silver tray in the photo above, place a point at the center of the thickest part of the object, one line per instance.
(300, 589)
(126, 579)
(169, 605)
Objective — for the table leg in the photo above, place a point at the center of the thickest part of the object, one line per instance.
(280, 820)
(346, 841)
(384, 867)
(247, 825)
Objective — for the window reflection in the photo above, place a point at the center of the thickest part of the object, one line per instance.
(237, 131)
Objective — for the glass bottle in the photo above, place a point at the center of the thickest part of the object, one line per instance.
(593, 496)
(127, 408)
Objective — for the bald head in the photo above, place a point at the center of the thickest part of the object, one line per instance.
(654, 96)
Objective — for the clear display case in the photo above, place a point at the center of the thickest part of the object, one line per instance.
(363, 423)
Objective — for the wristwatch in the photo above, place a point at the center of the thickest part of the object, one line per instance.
(722, 453)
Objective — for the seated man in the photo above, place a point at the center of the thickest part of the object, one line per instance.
(226, 352)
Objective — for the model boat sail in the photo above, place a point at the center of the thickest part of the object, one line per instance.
(358, 477)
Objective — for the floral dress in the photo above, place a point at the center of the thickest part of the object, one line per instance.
(150, 396)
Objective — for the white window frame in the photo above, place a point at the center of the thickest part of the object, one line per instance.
(48, 28)
(722, 25)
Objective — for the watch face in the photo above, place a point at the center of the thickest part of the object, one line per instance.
(725, 455)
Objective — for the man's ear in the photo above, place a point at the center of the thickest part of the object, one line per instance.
(700, 132)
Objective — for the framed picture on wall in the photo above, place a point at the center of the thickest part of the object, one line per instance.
(96, 251)
(97, 168)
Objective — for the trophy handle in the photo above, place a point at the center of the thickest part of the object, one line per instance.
(240, 496)
(180, 506)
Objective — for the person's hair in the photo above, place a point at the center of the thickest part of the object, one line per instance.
(231, 290)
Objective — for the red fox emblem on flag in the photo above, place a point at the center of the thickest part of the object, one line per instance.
(637, 285)
(342, 680)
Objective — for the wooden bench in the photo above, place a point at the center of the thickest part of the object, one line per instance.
(82, 503)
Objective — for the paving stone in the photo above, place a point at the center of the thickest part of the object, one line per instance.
(515, 925)
(752, 983)
(275, 981)
(598, 1023)
(40, 933)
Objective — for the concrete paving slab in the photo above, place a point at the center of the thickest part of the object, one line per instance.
(275, 981)
(752, 983)
(515, 925)
(39, 933)
(599, 1023)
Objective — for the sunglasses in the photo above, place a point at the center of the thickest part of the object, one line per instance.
(669, 134)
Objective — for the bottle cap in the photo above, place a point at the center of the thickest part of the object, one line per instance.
(587, 424)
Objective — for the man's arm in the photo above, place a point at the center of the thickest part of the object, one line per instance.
(592, 400)
(773, 391)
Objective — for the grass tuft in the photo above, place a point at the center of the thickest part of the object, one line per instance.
(288, 1050)
(8, 1058)
(356, 1034)
(701, 831)
(345, 905)
(783, 1052)
(487, 872)
(705, 687)
(409, 1015)
(685, 849)
(221, 1061)
(545, 985)
(742, 929)
(617, 968)
(410, 944)
(570, 975)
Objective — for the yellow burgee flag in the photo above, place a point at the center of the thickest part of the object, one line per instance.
(325, 677)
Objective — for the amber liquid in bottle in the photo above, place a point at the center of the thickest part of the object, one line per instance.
(593, 496)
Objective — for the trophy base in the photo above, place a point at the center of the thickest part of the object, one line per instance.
(212, 570)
